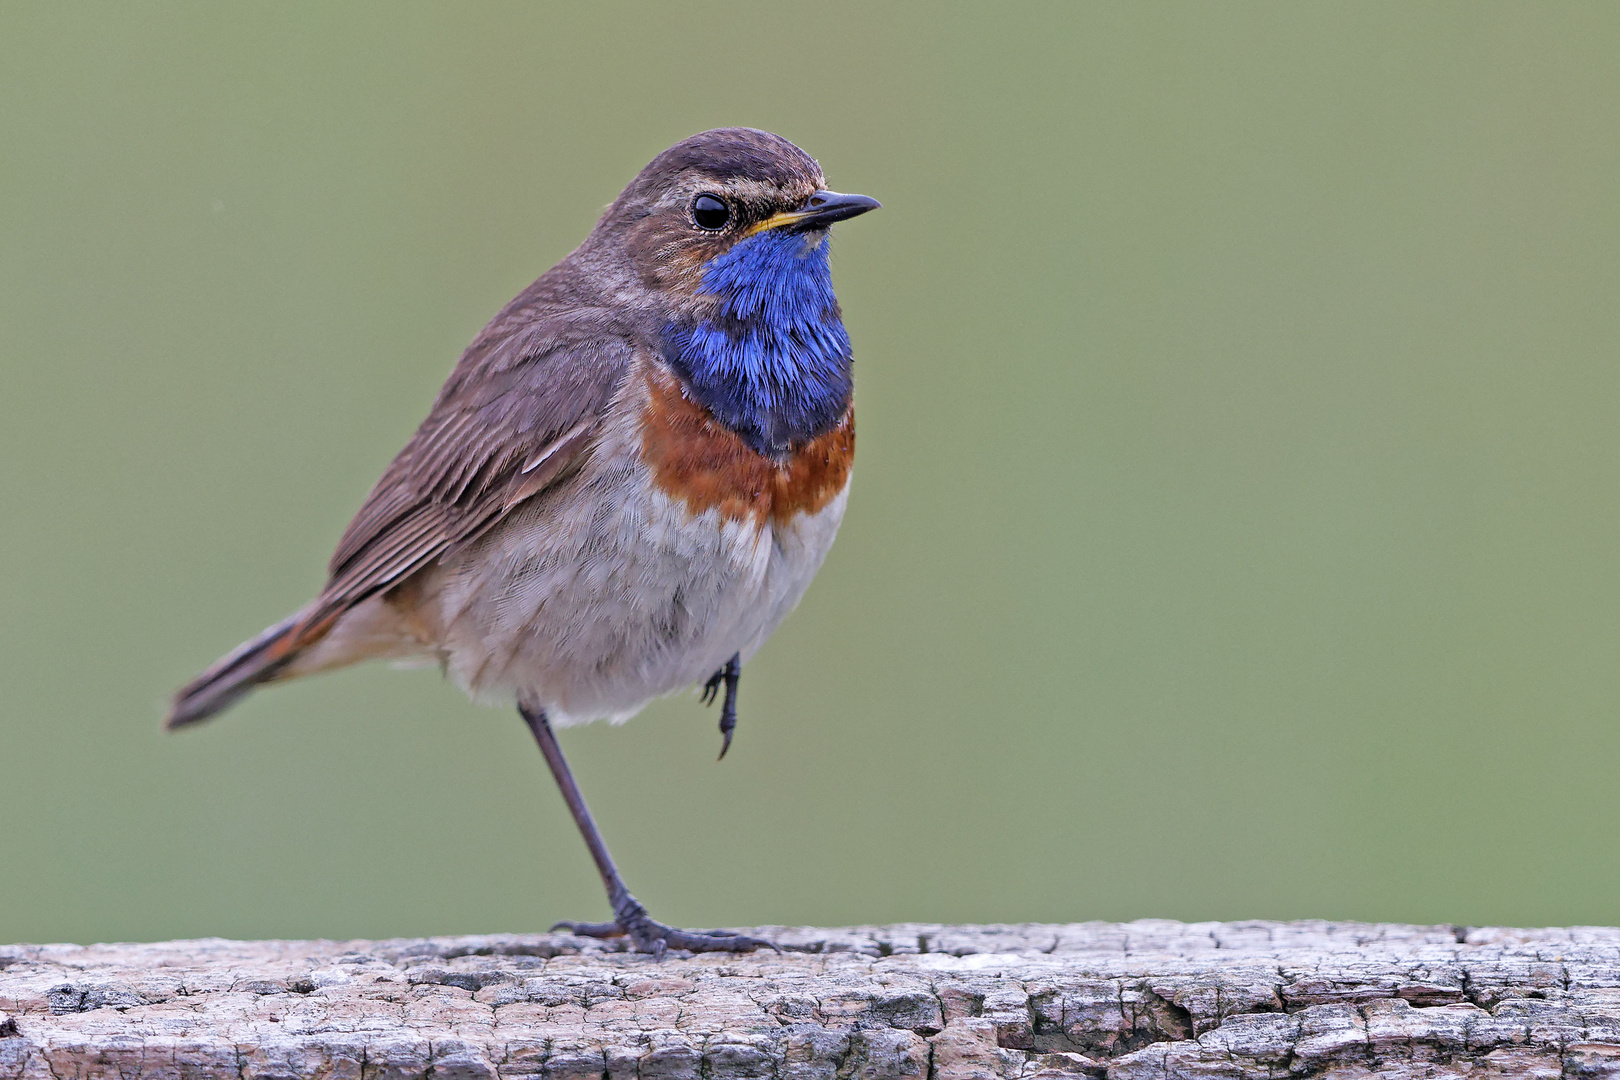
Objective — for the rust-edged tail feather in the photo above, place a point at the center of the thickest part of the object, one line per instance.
(249, 664)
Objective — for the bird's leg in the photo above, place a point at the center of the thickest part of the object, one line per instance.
(730, 674)
(629, 917)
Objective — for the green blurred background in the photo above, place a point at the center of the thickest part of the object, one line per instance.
(1236, 531)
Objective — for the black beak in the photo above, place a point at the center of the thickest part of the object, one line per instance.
(825, 207)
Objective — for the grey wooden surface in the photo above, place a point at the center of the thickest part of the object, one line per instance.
(1143, 999)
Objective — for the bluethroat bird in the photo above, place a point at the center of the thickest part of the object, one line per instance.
(626, 483)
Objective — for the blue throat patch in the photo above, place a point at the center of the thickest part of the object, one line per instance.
(774, 364)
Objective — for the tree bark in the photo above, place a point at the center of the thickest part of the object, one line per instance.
(1142, 999)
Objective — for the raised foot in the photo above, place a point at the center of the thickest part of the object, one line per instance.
(651, 936)
(729, 677)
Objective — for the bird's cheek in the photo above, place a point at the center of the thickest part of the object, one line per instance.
(665, 257)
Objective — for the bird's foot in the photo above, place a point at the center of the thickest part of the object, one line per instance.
(650, 936)
(727, 676)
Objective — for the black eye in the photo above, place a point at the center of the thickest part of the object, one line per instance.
(710, 212)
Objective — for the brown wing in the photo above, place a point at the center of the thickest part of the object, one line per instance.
(521, 407)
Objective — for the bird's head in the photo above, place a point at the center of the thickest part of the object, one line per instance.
(724, 238)
(714, 192)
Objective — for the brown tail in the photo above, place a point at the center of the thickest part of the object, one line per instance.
(249, 664)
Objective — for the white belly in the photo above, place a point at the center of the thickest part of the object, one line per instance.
(591, 603)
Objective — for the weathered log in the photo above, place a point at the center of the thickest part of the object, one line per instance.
(1143, 999)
